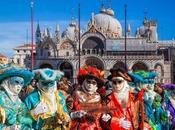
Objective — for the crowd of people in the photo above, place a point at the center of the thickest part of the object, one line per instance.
(44, 99)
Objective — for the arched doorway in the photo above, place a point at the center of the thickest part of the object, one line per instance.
(95, 62)
(139, 66)
(46, 65)
(67, 68)
(120, 65)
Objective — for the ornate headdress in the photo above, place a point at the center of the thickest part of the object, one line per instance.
(10, 70)
(91, 72)
(48, 75)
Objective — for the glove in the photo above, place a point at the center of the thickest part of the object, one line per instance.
(10, 117)
(106, 117)
(40, 109)
(124, 124)
(78, 114)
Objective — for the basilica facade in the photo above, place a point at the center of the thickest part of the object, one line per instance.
(102, 44)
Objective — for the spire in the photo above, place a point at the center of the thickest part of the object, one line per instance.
(46, 32)
(72, 23)
(102, 9)
(57, 34)
(129, 28)
(57, 28)
(38, 34)
(145, 17)
(38, 28)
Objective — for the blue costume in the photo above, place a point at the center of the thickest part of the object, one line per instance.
(46, 105)
(13, 113)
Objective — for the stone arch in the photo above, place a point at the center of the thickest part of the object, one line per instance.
(140, 66)
(119, 64)
(48, 48)
(95, 62)
(46, 65)
(67, 68)
(93, 37)
(93, 43)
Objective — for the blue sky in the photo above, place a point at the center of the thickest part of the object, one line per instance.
(15, 17)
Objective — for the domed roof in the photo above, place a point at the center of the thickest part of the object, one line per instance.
(110, 12)
(107, 22)
(70, 31)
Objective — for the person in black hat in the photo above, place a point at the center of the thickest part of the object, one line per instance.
(128, 110)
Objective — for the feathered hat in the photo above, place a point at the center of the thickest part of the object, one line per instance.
(10, 70)
(143, 76)
(48, 75)
(91, 72)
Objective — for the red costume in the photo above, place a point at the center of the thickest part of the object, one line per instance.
(127, 108)
(86, 99)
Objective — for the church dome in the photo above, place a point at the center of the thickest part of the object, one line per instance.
(107, 22)
(110, 12)
(70, 31)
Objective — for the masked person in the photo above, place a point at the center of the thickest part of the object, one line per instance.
(46, 105)
(87, 100)
(145, 80)
(167, 93)
(128, 107)
(13, 112)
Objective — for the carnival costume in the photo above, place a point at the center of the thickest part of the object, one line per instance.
(87, 101)
(168, 103)
(147, 80)
(127, 107)
(46, 105)
(13, 112)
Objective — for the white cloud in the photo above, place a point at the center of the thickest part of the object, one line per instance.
(13, 34)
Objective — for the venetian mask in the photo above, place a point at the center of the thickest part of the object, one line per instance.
(16, 84)
(47, 86)
(90, 85)
(117, 83)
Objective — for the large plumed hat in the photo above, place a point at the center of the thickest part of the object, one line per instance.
(10, 70)
(48, 75)
(91, 72)
(119, 72)
(146, 76)
(135, 78)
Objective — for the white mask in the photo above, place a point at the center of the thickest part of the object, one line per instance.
(48, 89)
(117, 84)
(15, 84)
(90, 86)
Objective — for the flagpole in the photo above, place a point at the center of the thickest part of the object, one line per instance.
(79, 48)
(125, 11)
(32, 39)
